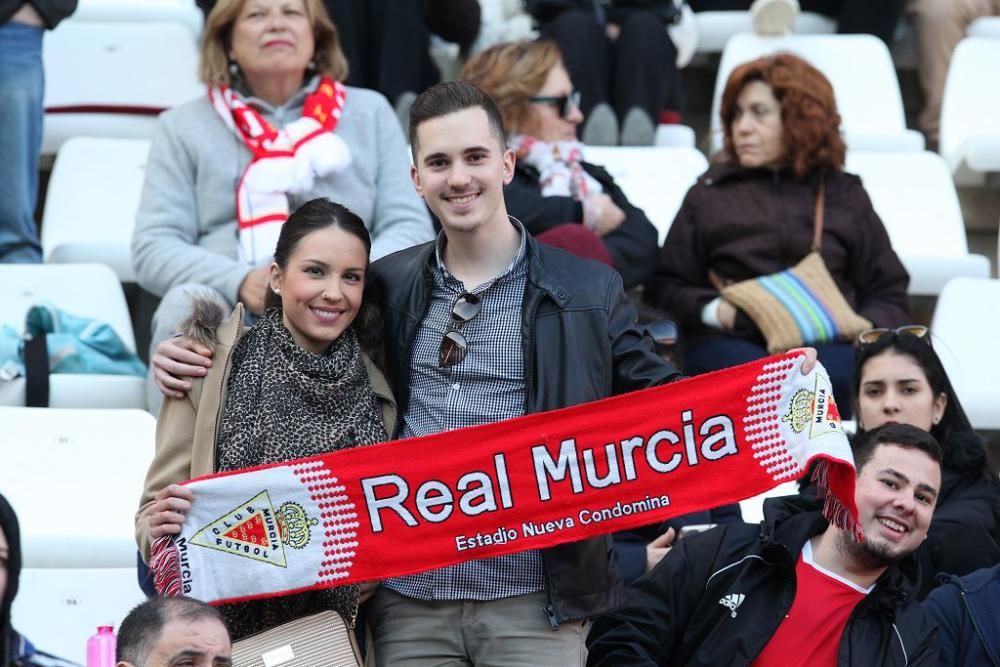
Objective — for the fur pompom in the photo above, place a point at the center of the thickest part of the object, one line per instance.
(205, 317)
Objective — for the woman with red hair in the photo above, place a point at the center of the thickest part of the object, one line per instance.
(752, 213)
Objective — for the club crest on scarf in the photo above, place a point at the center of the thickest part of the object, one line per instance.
(814, 409)
(255, 530)
(294, 526)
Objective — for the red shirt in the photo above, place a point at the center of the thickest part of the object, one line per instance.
(810, 633)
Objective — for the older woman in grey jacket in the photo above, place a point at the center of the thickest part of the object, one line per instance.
(276, 129)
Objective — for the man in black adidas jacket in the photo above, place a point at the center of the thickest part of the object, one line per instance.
(795, 590)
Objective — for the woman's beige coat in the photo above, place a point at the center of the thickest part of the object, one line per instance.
(187, 428)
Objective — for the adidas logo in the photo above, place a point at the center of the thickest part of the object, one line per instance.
(733, 602)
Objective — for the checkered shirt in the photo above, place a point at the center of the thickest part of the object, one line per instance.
(485, 387)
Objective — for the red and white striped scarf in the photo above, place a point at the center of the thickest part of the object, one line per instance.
(560, 172)
(286, 160)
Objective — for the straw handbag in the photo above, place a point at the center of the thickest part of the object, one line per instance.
(801, 305)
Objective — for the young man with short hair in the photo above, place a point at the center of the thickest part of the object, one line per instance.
(169, 631)
(481, 325)
(795, 590)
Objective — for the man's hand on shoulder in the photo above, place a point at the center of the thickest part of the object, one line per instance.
(176, 359)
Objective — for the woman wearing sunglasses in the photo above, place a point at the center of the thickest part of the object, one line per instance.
(560, 198)
(300, 382)
(899, 378)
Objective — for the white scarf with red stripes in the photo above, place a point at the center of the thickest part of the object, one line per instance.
(285, 161)
(560, 172)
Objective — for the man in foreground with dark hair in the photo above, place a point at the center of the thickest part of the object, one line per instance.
(482, 325)
(795, 590)
(164, 632)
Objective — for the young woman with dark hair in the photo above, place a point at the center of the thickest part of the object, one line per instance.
(299, 382)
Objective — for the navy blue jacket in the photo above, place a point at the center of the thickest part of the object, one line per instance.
(967, 611)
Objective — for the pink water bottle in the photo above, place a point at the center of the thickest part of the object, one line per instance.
(101, 648)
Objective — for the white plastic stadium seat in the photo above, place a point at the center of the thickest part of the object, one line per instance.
(111, 79)
(970, 126)
(752, 509)
(914, 195)
(184, 12)
(87, 290)
(985, 26)
(92, 200)
(715, 28)
(964, 328)
(74, 478)
(672, 134)
(655, 178)
(864, 81)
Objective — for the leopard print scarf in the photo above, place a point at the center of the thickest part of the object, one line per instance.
(285, 403)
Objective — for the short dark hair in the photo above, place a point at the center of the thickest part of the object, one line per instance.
(317, 214)
(140, 631)
(451, 97)
(906, 436)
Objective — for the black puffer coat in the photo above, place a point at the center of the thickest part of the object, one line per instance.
(746, 223)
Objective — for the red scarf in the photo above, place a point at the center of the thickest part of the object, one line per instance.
(285, 160)
(528, 483)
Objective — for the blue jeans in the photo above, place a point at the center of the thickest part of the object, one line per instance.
(726, 351)
(22, 81)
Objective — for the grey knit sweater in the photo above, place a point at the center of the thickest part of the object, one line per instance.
(186, 230)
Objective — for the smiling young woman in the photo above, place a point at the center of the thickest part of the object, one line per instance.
(300, 382)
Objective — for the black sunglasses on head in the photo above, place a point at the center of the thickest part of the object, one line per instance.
(916, 330)
(564, 103)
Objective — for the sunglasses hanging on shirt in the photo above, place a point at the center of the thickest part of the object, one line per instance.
(454, 345)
